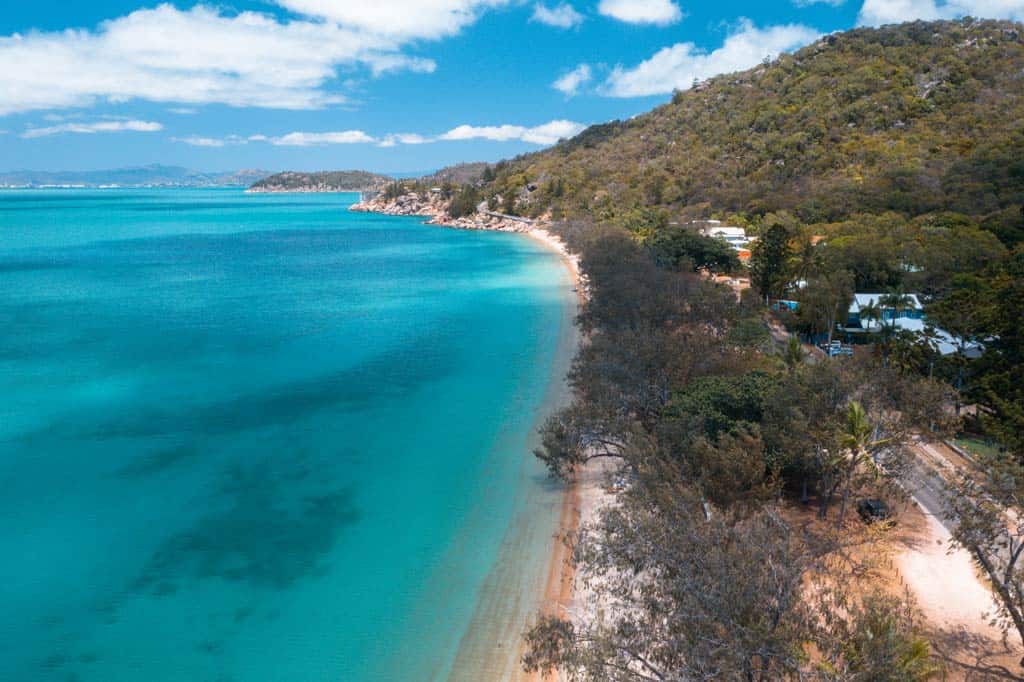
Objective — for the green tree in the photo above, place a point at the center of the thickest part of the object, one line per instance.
(881, 641)
(464, 202)
(872, 248)
(508, 201)
(893, 305)
(914, 352)
(793, 353)
(1000, 385)
(1007, 225)
(825, 302)
(806, 257)
(964, 315)
(981, 504)
(685, 595)
(855, 458)
(872, 312)
(768, 262)
(683, 249)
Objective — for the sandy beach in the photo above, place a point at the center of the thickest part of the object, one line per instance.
(557, 599)
(583, 499)
(532, 571)
(492, 648)
(571, 260)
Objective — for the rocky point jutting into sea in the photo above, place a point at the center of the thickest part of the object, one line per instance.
(433, 205)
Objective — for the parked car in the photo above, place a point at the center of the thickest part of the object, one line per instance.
(873, 510)
(837, 348)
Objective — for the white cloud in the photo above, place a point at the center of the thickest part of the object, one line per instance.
(879, 12)
(96, 127)
(394, 139)
(552, 132)
(200, 141)
(397, 19)
(678, 66)
(300, 139)
(183, 111)
(546, 134)
(559, 16)
(387, 63)
(571, 82)
(190, 57)
(659, 12)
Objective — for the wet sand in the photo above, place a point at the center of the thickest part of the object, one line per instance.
(492, 647)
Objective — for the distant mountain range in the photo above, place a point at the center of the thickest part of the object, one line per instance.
(143, 176)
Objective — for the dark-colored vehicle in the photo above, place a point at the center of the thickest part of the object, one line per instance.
(873, 510)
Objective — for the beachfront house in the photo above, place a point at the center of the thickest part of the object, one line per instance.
(735, 236)
(873, 313)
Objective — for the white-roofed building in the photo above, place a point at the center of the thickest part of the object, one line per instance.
(724, 232)
(871, 313)
(736, 237)
(863, 305)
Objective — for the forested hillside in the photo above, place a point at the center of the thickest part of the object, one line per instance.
(912, 118)
(327, 181)
(888, 161)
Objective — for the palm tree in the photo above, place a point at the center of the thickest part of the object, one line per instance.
(858, 445)
(930, 336)
(807, 258)
(859, 440)
(896, 302)
(899, 301)
(871, 312)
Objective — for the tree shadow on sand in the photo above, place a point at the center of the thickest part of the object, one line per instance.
(975, 658)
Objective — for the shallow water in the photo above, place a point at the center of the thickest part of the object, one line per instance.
(258, 437)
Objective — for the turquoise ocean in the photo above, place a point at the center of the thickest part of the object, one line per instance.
(257, 437)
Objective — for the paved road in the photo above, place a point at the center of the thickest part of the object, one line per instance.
(925, 481)
(944, 579)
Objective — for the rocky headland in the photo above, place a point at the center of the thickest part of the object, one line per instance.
(435, 207)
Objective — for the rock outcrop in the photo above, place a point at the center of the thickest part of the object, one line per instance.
(435, 207)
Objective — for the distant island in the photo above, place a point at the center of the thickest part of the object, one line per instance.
(324, 181)
(142, 176)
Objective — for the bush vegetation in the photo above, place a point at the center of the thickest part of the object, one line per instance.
(912, 119)
(888, 161)
(698, 570)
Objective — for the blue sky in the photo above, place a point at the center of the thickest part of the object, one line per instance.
(386, 85)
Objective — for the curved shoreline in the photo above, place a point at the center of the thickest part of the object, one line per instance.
(480, 657)
(559, 587)
(528, 577)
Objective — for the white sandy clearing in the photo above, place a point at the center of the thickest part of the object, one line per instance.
(946, 583)
(593, 495)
